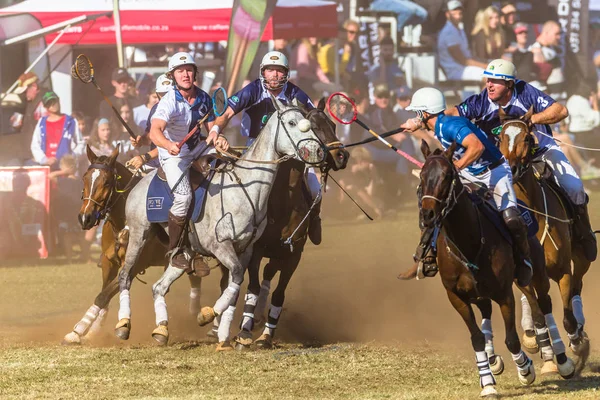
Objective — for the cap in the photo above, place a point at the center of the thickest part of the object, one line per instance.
(382, 91)
(520, 27)
(48, 97)
(120, 74)
(454, 5)
(24, 81)
(403, 92)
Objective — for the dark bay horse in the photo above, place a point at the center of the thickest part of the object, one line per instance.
(475, 263)
(555, 234)
(289, 203)
(103, 196)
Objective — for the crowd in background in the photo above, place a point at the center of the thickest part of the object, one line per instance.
(378, 177)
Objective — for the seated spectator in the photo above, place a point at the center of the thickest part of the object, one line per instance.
(520, 54)
(488, 41)
(310, 75)
(545, 54)
(508, 19)
(100, 138)
(453, 48)
(140, 113)
(586, 170)
(55, 135)
(120, 81)
(407, 12)
(387, 71)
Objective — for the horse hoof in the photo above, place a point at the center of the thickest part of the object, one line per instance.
(161, 335)
(70, 339)
(549, 368)
(497, 366)
(224, 346)
(241, 347)
(206, 316)
(530, 344)
(527, 377)
(582, 345)
(566, 369)
(489, 392)
(265, 342)
(123, 329)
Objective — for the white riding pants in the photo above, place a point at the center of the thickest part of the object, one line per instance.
(313, 182)
(564, 173)
(499, 181)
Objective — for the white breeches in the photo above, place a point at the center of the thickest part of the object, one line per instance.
(565, 174)
(499, 181)
(313, 182)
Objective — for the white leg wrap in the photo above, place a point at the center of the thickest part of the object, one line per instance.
(543, 338)
(124, 305)
(485, 373)
(261, 304)
(95, 328)
(557, 343)
(526, 318)
(275, 312)
(195, 293)
(228, 298)
(248, 318)
(160, 309)
(194, 306)
(578, 310)
(88, 319)
(225, 324)
(486, 328)
(521, 360)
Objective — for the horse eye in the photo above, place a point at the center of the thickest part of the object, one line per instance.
(292, 123)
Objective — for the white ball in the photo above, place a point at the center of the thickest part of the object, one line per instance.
(304, 125)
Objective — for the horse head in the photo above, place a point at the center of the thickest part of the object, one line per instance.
(517, 142)
(439, 184)
(99, 184)
(324, 128)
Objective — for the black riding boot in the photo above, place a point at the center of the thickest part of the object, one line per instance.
(314, 224)
(583, 233)
(518, 232)
(179, 258)
(426, 253)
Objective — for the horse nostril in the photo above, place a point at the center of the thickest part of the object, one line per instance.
(428, 215)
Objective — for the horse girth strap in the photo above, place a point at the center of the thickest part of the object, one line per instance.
(254, 220)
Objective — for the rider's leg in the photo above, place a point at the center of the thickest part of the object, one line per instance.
(567, 178)
(314, 225)
(182, 197)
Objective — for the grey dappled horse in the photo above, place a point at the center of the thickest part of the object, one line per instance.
(233, 218)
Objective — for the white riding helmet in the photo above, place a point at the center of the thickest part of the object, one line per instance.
(163, 84)
(428, 99)
(179, 59)
(501, 69)
(275, 58)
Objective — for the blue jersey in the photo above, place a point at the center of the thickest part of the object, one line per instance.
(485, 112)
(455, 129)
(255, 100)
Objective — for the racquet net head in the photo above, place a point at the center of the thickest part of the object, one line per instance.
(219, 98)
(342, 108)
(84, 69)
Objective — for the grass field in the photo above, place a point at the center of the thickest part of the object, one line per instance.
(349, 330)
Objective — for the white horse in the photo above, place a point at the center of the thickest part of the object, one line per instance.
(233, 218)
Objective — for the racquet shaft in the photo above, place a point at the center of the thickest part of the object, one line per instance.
(117, 113)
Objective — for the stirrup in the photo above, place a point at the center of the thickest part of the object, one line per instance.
(427, 268)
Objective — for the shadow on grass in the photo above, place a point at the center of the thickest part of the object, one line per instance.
(557, 386)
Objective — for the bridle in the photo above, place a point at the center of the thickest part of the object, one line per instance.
(451, 199)
(112, 183)
(524, 163)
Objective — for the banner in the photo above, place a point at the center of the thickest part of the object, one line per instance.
(248, 21)
(573, 17)
(24, 212)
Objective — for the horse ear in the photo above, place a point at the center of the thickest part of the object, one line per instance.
(321, 105)
(114, 154)
(527, 117)
(502, 115)
(295, 103)
(450, 152)
(90, 154)
(425, 148)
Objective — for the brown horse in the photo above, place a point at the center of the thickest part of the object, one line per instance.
(289, 204)
(475, 263)
(517, 144)
(105, 189)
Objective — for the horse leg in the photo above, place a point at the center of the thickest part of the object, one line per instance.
(244, 337)
(269, 273)
(486, 378)
(580, 345)
(496, 361)
(525, 368)
(159, 291)
(277, 300)
(223, 282)
(195, 288)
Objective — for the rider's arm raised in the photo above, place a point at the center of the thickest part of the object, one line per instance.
(473, 150)
(551, 115)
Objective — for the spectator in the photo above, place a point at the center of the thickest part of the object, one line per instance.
(521, 56)
(488, 41)
(455, 57)
(387, 71)
(141, 113)
(82, 123)
(585, 168)
(407, 12)
(55, 135)
(310, 74)
(584, 116)
(508, 19)
(545, 53)
(100, 142)
(120, 135)
(120, 81)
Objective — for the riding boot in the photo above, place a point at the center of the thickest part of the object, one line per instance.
(179, 258)
(314, 224)
(518, 232)
(426, 253)
(583, 233)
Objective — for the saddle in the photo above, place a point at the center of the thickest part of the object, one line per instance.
(199, 170)
(544, 174)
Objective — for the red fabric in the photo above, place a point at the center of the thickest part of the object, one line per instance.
(54, 132)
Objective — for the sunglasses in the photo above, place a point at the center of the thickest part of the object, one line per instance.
(351, 32)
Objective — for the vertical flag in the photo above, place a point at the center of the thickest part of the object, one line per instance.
(573, 17)
(248, 21)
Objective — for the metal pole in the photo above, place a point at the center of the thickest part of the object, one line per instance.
(117, 17)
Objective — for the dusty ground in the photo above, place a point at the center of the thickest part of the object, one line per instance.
(349, 329)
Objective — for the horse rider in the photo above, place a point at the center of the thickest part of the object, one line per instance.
(255, 100)
(176, 114)
(478, 161)
(516, 96)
